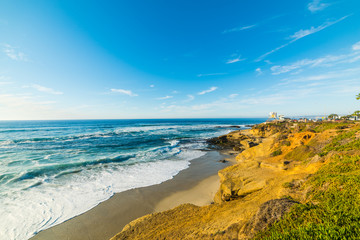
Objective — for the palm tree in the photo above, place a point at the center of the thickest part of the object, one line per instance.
(358, 97)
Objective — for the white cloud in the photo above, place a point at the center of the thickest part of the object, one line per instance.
(190, 97)
(326, 61)
(268, 61)
(303, 33)
(356, 46)
(211, 74)
(123, 91)
(325, 77)
(5, 83)
(246, 27)
(272, 99)
(233, 95)
(237, 29)
(4, 80)
(317, 89)
(45, 89)
(317, 5)
(272, 51)
(152, 85)
(15, 107)
(207, 91)
(234, 60)
(13, 53)
(163, 98)
(259, 71)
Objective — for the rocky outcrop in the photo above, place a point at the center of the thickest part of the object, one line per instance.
(251, 193)
(237, 141)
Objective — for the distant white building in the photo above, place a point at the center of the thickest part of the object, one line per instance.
(273, 115)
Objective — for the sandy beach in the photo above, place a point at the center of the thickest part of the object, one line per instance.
(196, 184)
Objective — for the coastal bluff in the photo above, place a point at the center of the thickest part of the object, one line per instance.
(281, 187)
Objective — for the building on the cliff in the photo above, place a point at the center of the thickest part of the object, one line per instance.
(273, 115)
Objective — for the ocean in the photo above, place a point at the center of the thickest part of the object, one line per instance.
(51, 171)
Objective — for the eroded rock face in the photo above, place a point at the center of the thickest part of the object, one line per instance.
(240, 184)
(242, 206)
(269, 212)
(236, 141)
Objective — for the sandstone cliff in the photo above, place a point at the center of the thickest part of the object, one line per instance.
(274, 162)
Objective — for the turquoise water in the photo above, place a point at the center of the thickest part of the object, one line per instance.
(51, 171)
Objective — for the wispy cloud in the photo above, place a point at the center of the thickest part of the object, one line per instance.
(210, 74)
(123, 91)
(316, 6)
(44, 89)
(237, 29)
(247, 27)
(324, 77)
(234, 60)
(14, 53)
(258, 71)
(4, 80)
(207, 91)
(5, 83)
(152, 85)
(303, 33)
(326, 61)
(272, 51)
(190, 98)
(233, 95)
(163, 98)
(356, 46)
(272, 99)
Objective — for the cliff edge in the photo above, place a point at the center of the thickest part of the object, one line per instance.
(282, 169)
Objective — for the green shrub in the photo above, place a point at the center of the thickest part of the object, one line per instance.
(330, 125)
(335, 189)
(276, 153)
(288, 185)
(286, 143)
(342, 142)
(301, 153)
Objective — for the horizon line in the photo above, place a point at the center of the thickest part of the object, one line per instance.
(78, 119)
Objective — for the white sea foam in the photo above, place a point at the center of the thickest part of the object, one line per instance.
(174, 142)
(165, 128)
(7, 144)
(24, 213)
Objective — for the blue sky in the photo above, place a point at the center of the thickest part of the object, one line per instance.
(178, 59)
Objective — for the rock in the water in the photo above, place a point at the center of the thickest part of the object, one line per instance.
(237, 149)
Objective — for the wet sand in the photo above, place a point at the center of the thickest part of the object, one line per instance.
(196, 184)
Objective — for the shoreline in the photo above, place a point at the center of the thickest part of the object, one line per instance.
(197, 185)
